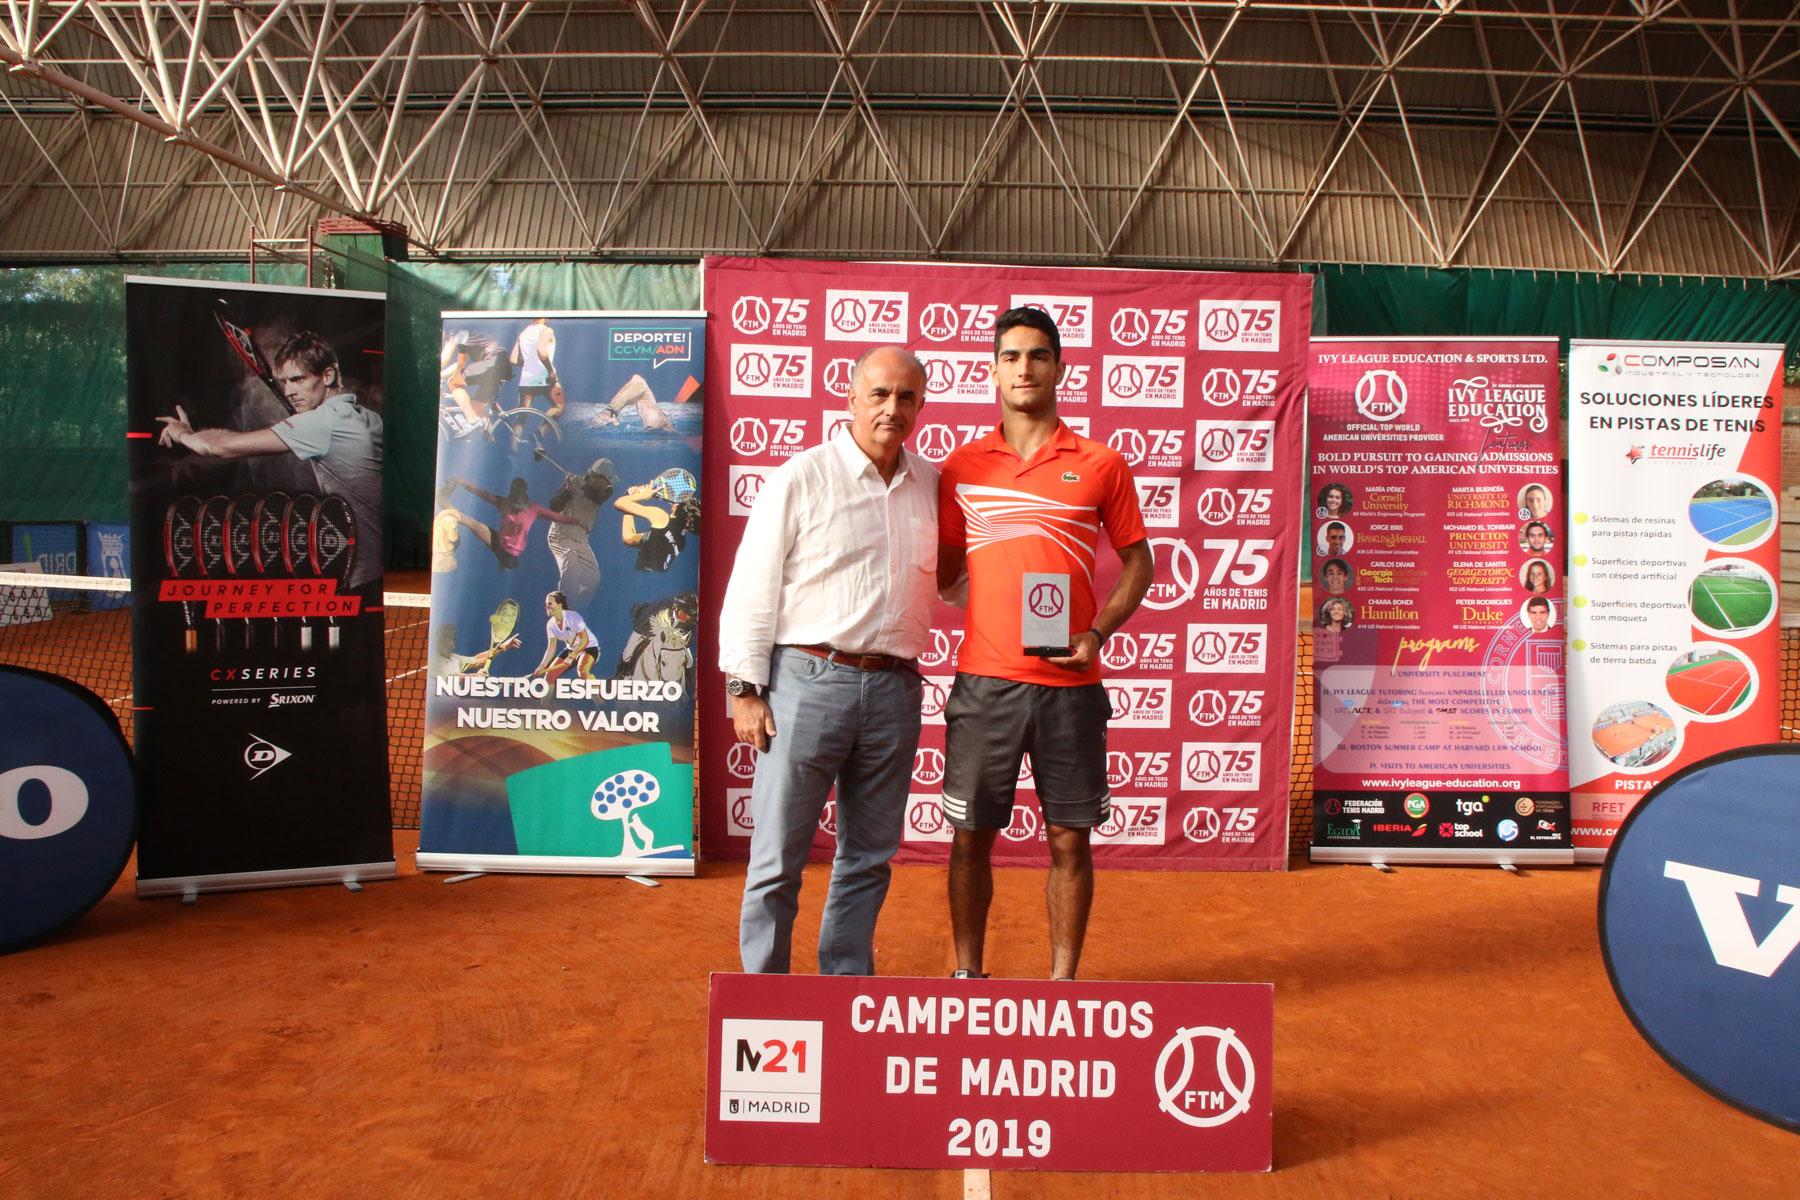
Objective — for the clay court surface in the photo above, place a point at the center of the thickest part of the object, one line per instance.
(1711, 686)
(1622, 737)
(1439, 1032)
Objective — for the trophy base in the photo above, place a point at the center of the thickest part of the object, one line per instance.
(1049, 651)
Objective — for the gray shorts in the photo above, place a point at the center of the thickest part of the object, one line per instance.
(990, 724)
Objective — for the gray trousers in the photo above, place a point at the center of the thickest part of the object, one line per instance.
(834, 726)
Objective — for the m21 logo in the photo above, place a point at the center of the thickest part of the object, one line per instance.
(771, 1071)
(1700, 926)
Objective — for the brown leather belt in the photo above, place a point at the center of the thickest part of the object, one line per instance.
(862, 662)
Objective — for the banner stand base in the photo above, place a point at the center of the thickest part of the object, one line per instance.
(1383, 859)
(1590, 855)
(350, 875)
(546, 864)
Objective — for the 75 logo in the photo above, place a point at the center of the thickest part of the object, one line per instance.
(1124, 651)
(1137, 768)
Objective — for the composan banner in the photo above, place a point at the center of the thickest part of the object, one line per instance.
(1674, 638)
(559, 712)
(1002, 1074)
(255, 434)
(1438, 596)
(1197, 380)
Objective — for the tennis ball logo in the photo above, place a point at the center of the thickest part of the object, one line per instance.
(624, 793)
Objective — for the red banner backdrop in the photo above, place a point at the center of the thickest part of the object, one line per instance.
(1011, 1074)
(1197, 379)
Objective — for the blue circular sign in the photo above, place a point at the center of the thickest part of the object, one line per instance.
(1700, 926)
(68, 803)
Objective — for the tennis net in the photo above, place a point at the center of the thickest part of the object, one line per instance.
(79, 627)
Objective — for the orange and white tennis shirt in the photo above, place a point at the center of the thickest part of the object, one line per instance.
(1014, 517)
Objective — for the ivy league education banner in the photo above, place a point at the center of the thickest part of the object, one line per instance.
(1674, 637)
(559, 714)
(1196, 379)
(1438, 585)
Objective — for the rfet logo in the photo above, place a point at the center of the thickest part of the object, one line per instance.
(1046, 600)
(744, 484)
(865, 316)
(1381, 395)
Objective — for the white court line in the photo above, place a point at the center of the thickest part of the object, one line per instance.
(1739, 525)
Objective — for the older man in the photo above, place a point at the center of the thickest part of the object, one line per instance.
(828, 608)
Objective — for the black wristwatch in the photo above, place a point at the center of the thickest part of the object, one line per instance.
(741, 687)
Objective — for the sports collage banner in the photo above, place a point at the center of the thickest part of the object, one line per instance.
(1439, 586)
(559, 711)
(255, 432)
(1197, 379)
(1674, 637)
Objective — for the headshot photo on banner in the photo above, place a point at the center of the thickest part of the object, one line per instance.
(559, 718)
(255, 431)
(1439, 606)
(1195, 380)
(1675, 544)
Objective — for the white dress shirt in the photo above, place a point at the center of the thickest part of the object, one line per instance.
(833, 555)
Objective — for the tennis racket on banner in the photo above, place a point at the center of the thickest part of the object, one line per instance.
(243, 343)
(240, 548)
(674, 485)
(296, 548)
(209, 540)
(501, 623)
(332, 545)
(181, 557)
(265, 545)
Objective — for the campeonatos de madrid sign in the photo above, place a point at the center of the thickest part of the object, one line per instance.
(1009, 1074)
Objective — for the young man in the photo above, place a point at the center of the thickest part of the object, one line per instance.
(828, 607)
(1537, 614)
(1031, 498)
(330, 429)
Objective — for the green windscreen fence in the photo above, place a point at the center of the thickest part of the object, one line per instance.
(62, 338)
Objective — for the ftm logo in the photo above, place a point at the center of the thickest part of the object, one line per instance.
(771, 1071)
